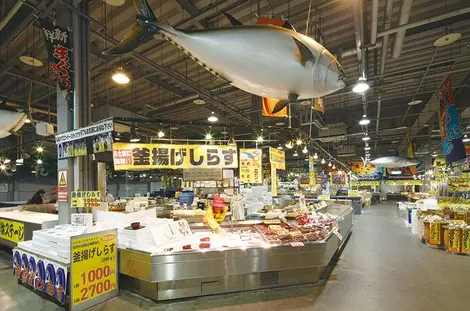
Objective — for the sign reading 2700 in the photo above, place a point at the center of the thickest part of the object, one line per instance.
(156, 156)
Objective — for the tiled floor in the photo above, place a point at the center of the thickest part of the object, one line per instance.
(383, 267)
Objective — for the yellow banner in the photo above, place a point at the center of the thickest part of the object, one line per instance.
(277, 158)
(12, 231)
(311, 171)
(454, 240)
(251, 166)
(130, 156)
(85, 199)
(94, 266)
(435, 233)
(274, 181)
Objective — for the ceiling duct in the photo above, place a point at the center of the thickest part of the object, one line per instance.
(335, 132)
(348, 149)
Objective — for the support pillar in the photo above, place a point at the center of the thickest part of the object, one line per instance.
(256, 115)
(101, 178)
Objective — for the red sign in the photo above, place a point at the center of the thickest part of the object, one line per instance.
(62, 182)
(122, 157)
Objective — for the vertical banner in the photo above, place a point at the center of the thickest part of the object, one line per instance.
(12, 231)
(60, 50)
(268, 105)
(278, 162)
(451, 133)
(94, 274)
(274, 182)
(311, 171)
(251, 166)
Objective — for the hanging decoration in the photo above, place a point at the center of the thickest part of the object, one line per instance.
(268, 106)
(451, 133)
(60, 50)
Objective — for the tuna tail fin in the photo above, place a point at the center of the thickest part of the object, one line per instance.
(144, 28)
(231, 19)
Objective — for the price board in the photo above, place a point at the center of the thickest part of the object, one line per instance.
(466, 241)
(435, 233)
(85, 199)
(12, 231)
(94, 273)
(454, 241)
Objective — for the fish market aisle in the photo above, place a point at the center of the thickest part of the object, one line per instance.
(383, 267)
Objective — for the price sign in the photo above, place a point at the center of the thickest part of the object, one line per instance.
(94, 269)
(85, 199)
(466, 241)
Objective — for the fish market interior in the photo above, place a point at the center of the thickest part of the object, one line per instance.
(234, 154)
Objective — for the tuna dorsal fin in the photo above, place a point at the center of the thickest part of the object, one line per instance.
(305, 53)
(233, 20)
(144, 11)
(288, 25)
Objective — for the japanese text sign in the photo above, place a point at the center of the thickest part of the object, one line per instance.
(85, 199)
(435, 233)
(11, 230)
(277, 158)
(59, 47)
(128, 156)
(251, 166)
(94, 275)
(311, 171)
(41, 274)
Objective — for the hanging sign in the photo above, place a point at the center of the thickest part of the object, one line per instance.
(251, 166)
(85, 199)
(60, 50)
(62, 182)
(274, 181)
(94, 276)
(95, 138)
(451, 133)
(268, 105)
(41, 274)
(277, 158)
(12, 231)
(311, 171)
(129, 156)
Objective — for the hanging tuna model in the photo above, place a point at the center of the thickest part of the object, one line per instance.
(11, 120)
(264, 60)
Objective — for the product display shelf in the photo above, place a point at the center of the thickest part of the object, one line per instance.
(195, 273)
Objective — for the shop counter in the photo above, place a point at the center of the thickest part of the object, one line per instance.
(198, 272)
(357, 202)
(17, 226)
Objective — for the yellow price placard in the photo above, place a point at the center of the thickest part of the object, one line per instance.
(94, 272)
(466, 241)
(277, 158)
(251, 166)
(454, 240)
(435, 233)
(85, 199)
(12, 231)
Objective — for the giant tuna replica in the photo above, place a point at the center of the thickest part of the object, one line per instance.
(11, 120)
(264, 60)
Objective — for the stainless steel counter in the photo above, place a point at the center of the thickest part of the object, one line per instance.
(197, 273)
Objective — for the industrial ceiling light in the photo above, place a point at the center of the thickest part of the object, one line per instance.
(364, 120)
(323, 161)
(259, 139)
(366, 148)
(340, 172)
(161, 134)
(366, 138)
(39, 161)
(280, 147)
(296, 154)
(465, 139)
(120, 76)
(27, 120)
(3, 167)
(289, 145)
(6, 161)
(305, 150)
(361, 86)
(208, 136)
(199, 101)
(315, 156)
(435, 154)
(40, 149)
(134, 138)
(329, 164)
(415, 102)
(280, 123)
(224, 132)
(299, 142)
(447, 39)
(333, 167)
(231, 141)
(212, 117)
(395, 142)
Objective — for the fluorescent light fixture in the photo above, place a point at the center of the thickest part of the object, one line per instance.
(296, 154)
(208, 136)
(415, 102)
(361, 86)
(366, 138)
(315, 156)
(435, 154)
(395, 142)
(161, 134)
(366, 148)
(396, 172)
(212, 117)
(364, 120)
(120, 76)
(280, 123)
(199, 101)
(465, 139)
